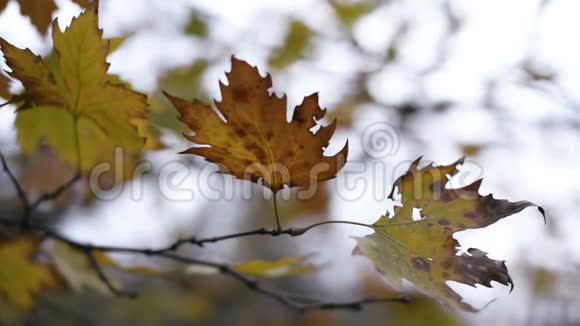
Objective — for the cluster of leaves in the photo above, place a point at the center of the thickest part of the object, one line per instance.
(83, 113)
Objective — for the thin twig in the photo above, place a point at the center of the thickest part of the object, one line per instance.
(88, 251)
(14, 181)
(25, 220)
(228, 270)
(57, 192)
(225, 269)
(293, 232)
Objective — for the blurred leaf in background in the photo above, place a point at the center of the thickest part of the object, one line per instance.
(183, 82)
(348, 12)
(296, 42)
(418, 312)
(282, 267)
(39, 12)
(157, 304)
(75, 268)
(21, 276)
(35, 181)
(196, 26)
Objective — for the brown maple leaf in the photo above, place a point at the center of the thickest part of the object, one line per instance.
(254, 140)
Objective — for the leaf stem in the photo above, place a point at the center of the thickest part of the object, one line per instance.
(278, 225)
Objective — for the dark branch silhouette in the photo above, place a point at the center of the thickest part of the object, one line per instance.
(169, 252)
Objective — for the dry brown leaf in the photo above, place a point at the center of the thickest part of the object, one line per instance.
(254, 141)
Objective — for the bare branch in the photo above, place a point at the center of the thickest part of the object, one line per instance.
(21, 194)
(225, 269)
(293, 232)
(167, 253)
(88, 251)
(57, 192)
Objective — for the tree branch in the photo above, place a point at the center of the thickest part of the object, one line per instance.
(21, 195)
(224, 269)
(89, 253)
(293, 232)
(167, 253)
(57, 192)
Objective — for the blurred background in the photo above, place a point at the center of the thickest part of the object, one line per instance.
(491, 80)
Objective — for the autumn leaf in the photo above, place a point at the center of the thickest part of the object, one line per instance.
(196, 26)
(349, 13)
(82, 3)
(20, 275)
(423, 251)
(278, 268)
(295, 44)
(282, 267)
(254, 141)
(39, 12)
(4, 88)
(180, 81)
(69, 96)
(74, 267)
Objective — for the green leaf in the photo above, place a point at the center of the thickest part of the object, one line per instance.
(296, 43)
(20, 275)
(73, 265)
(278, 268)
(423, 251)
(183, 82)
(349, 12)
(282, 267)
(196, 26)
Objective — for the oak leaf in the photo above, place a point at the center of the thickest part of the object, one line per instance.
(254, 141)
(423, 250)
(20, 275)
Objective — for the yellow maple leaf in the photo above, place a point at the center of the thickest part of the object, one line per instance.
(71, 101)
(423, 251)
(256, 141)
(20, 275)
